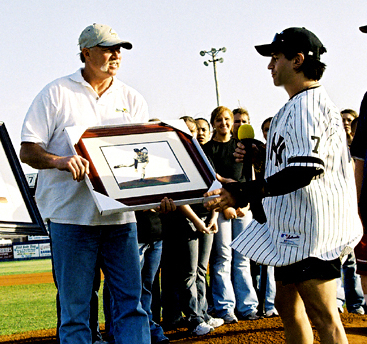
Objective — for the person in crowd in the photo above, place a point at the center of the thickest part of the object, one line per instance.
(191, 124)
(196, 227)
(79, 233)
(266, 273)
(349, 287)
(359, 153)
(240, 117)
(203, 136)
(203, 130)
(265, 127)
(348, 115)
(305, 236)
(172, 256)
(194, 230)
(231, 280)
(261, 273)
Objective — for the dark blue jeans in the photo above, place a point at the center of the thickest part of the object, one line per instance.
(75, 250)
(150, 258)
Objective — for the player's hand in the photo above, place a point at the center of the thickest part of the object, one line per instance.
(167, 205)
(75, 164)
(223, 201)
(240, 152)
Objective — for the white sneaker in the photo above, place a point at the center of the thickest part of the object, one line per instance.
(230, 318)
(215, 322)
(271, 313)
(202, 329)
(359, 310)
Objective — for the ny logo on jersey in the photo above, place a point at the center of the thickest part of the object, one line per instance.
(277, 149)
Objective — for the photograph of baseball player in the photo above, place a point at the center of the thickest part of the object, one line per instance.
(308, 191)
(144, 165)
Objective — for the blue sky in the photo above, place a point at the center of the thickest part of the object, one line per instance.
(39, 44)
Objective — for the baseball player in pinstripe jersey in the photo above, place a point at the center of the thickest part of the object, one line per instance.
(309, 194)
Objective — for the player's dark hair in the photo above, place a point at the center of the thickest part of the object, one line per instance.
(311, 67)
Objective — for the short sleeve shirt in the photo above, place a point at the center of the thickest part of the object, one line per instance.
(71, 101)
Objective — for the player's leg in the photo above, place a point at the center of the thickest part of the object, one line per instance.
(319, 297)
(291, 309)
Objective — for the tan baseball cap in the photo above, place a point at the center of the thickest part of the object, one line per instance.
(102, 35)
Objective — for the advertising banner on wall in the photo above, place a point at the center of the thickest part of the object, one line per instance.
(45, 250)
(26, 251)
(6, 252)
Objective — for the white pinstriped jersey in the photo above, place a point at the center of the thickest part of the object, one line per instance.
(320, 220)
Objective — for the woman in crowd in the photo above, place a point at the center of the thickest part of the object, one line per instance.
(190, 236)
(231, 280)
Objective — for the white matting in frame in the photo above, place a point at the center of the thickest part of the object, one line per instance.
(12, 206)
(133, 166)
(19, 214)
(169, 167)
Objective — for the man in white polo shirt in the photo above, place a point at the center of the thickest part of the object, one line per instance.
(90, 97)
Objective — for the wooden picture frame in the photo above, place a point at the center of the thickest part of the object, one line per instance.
(139, 164)
(19, 214)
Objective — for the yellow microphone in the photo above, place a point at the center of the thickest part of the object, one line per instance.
(246, 131)
(246, 135)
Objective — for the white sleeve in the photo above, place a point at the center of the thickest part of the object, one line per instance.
(306, 138)
(37, 125)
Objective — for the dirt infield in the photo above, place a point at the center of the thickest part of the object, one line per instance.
(36, 278)
(263, 331)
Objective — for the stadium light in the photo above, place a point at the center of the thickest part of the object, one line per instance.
(213, 53)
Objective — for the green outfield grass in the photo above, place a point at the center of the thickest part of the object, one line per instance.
(29, 307)
(19, 267)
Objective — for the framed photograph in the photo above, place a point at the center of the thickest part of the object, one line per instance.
(139, 164)
(19, 214)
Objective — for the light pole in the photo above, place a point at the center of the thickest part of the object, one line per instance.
(213, 53)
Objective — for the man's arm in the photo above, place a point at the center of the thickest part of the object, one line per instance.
(35, 156)
(240, 194)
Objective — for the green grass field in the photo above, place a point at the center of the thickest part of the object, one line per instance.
(29, 307)
(25, 267)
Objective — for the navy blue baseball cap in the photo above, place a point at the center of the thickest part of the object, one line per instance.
(297, 39)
